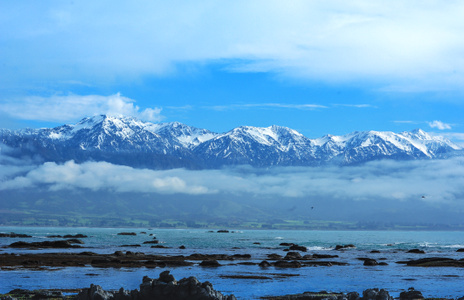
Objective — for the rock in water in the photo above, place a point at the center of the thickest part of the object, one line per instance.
(164, 288)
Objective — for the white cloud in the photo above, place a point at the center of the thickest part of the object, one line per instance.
(102, 176)
(266, 105)
(75, 107)
(412, 45)
(439, 125)
(440, 181)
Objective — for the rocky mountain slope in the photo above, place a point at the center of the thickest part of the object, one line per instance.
(128, 141)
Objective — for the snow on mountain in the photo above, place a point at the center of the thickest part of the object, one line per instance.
(129, 141)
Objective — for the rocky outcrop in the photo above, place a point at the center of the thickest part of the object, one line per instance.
(166, 287)
(45, 244)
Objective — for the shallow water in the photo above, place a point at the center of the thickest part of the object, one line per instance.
(433, 282)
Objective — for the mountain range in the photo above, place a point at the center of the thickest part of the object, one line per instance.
(128, 141)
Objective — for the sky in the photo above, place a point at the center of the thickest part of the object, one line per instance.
(319, 67)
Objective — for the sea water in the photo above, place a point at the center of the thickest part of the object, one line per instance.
(393, 246)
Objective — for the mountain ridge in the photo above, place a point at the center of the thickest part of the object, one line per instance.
(129, 141)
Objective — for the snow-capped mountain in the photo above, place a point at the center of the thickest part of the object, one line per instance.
(128, 141)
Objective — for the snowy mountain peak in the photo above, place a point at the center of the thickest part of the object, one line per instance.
(129, 141)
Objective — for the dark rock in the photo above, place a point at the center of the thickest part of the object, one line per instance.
(317, 256)
(223, 231)
(256, 243)
(119, 253)
(352, 296)
(164, 288)
(383, 264)
(293, 255)
(160, 247)
(434, 262)
(286, 244)
(135, 245)
(45, 244)
(376, 294)
(287, 264)
(127, 233)
(274, 256)
(15, 235)
(343, 247)
(411, 294)
(264, 264)
(375, 251)
(75, 241)
(209, 263)
(151, 242)
(298, 248)
(241, 256)
(460, 250)
(182, 247)
(166, 277)
(418, 251)
(77, 236)
(370, 262)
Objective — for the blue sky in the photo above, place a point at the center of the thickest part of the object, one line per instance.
(320, 67)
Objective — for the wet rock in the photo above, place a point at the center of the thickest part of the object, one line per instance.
(15, 235)
(127, 233)
(460, 250)
(286, 244)
(77, 236)
(223, 231)
(209, 263)
(151, 242)
(375, 251)
(293, 255)
(411, 294)
(418, 251)
(274, 256)
(160, 247)
(433, 262)
(182, 247)
(343, 247)
(287, 264)
(370, 262)
(264, 264)
(376, 294)
(164, 288)
(317, 256)
(75, 241)
(45, 244)
(298, 248)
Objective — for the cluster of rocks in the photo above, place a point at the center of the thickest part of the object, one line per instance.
(369, 294)
(14, 235)
(166, 287)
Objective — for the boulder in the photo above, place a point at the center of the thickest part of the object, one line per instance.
(209, 263)
(264, 264)
(287, 264)
(164, 288)
(418, 251)
(411, 294)
(298, 248)
(293, 255)
(127, 233)
(376, 294)
(370, 262)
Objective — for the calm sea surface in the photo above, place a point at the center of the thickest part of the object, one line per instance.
(432, 282)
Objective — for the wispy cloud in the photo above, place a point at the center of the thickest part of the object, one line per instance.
(439, 180)
(265, 106)
(402, 44)
(439, 125)
(74, 107)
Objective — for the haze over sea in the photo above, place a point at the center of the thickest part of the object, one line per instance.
(392, 245)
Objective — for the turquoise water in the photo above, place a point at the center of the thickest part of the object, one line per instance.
(433, 282)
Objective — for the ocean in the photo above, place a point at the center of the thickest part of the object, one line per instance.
(391, 246)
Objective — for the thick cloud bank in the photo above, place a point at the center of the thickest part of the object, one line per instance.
(433, 181)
